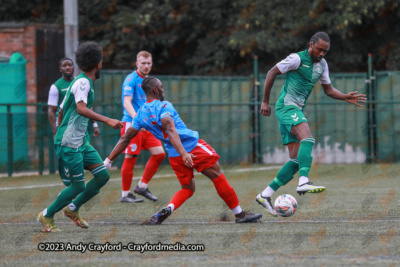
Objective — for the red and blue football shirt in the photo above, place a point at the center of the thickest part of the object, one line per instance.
(149, 117)
(132, 86)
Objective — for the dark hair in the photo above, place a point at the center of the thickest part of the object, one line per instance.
(319, 35)
(88, 56)
(63, 59)
(149, 83)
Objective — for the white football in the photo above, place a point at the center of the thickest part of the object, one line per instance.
(285, 205)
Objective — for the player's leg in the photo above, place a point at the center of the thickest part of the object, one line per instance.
(153, 145)
(126, 176)
(71, 170)
(92, 162)
(228, 194)
(185, 177)
(286, 117)
(131, 154)
(303, 133)
(187, 191)
(284, 176)
(206, 162)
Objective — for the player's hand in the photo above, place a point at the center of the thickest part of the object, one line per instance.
(265, 109)
(143, 130)
(116, 124)
(187, 159)
(107, 163)
(96, 131)
(352, 98)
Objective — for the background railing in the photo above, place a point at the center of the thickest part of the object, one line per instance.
(225, 112)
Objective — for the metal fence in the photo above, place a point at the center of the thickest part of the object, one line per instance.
(385, 118)
(225, 112)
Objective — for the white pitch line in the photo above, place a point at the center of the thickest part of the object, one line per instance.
(212, 222)
(138, 177)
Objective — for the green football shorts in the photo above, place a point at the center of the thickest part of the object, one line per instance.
(289, 116)
(73, 161)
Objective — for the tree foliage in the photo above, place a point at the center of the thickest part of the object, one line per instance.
(220, 37)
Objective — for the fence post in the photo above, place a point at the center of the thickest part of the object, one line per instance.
(40, 138)
(374, 122)
(371, 118)
(10, 142)
(104, 144)
(51, 148)
(369, 111)
(256, 129)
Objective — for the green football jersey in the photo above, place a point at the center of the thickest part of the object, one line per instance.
(57, 94)
(71, 132)
(301, 79)
(62, 87)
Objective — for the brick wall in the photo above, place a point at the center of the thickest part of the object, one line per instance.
(42, 47)
(22, 38)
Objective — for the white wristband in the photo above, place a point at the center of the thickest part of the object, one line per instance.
(95, 125)
(108, 161)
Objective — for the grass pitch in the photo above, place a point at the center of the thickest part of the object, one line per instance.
(355, 222)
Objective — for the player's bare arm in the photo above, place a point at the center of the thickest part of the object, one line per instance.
(351, 97)
(52, 118)
(84, 111)
(123, 143)
(169, 125)
(60, 116)
(130, 109)
(96, 130)
(269, 82)
(128, 106)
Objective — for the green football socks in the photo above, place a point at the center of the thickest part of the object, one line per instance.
(304, 156)
(285, 174)
(101, 177)
(64, 198)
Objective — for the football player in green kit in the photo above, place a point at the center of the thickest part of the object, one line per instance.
(58, 91)
(303, 70)
(74, 152)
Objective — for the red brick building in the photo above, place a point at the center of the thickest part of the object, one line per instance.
(42, 45)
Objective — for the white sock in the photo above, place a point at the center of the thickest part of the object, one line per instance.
(142, 185)
(237, 210)
(303, 180)
(45, 212)
(172, 207)
(268, 192)
(125, 193)
(72, 206)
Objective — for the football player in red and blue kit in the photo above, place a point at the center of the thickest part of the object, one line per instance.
(185, 150)
(133, 98)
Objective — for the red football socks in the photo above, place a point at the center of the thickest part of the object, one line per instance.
(127, 173)
(151, 167)
(180, 197)
(226, 191)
